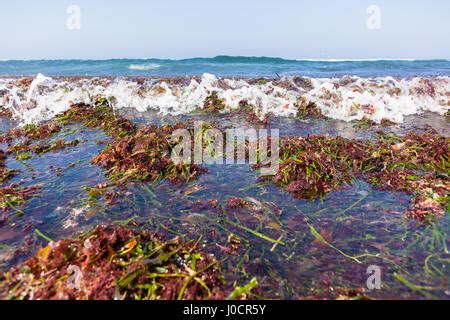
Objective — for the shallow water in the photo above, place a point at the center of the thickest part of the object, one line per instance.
(294, 126)
(363, 226)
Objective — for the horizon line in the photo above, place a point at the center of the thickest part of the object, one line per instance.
(231, 56)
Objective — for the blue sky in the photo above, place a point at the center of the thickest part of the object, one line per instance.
(182, 29)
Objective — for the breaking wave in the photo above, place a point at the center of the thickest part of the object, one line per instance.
(144, 67)
(347, 98)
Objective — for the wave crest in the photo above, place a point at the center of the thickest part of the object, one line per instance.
(144, 67)
(347, 98)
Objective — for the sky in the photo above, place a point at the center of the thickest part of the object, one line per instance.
(293, 29)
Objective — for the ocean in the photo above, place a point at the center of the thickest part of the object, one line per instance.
(228, 66)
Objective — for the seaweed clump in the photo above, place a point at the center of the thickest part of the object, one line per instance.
(145, 156)
(135, 153)
(314, 166)
(5, 173)
(23, 150)
(54, 145)
(116, 263)
(13, 196)
(249, 113)
(213, 103)
(100, 116)
(4, 112)
(32, 132)
(366, 123)
(415, 163)
(307, 108)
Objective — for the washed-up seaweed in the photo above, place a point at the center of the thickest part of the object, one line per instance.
(135, 153)
(146, 156)
(307, 108)
(5, 173)
(415, 163)
(4, 112)
(249, 113)
(13, 196)
(100, 116)
(32, 132)
(366, 123)
(259, 232)
(213, 103)
(118, 263)
(313, 166)
(23, 150)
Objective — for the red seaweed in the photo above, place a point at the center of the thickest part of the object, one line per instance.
(117, 263)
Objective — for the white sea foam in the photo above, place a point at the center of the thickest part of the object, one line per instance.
(353, 98)
(347, 98)
(144, 67)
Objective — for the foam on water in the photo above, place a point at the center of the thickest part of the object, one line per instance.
(352, 98)
(144, 67)
(347, 98)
